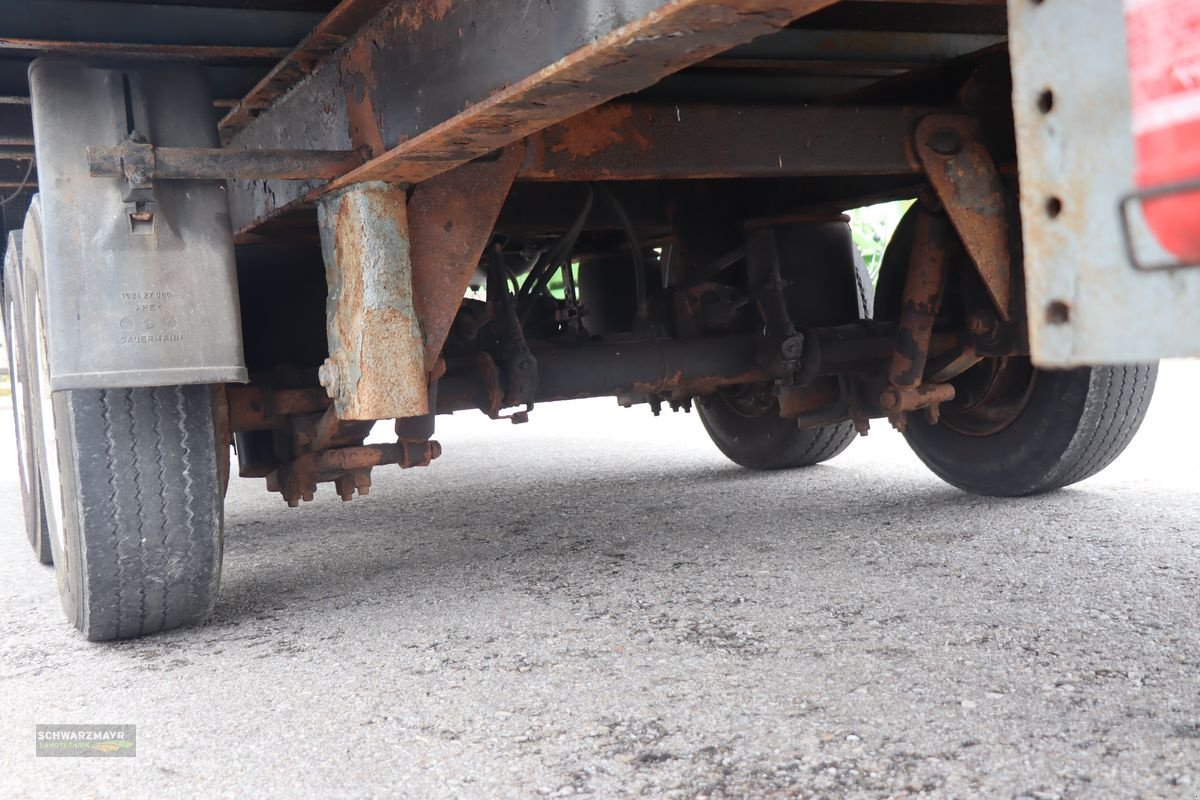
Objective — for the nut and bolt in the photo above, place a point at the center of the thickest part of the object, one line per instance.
(330, 376)
(792, 348)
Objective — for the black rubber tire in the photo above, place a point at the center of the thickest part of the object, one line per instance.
(769, 441)
(16, 336)
(838, 293)
(138, 546)
(1073, 424)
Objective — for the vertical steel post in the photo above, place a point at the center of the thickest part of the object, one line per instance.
(376, 365)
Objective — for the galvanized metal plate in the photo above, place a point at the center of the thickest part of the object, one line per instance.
(1087, 302)
(152, 304)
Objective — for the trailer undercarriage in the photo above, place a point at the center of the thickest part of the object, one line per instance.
(437, 206)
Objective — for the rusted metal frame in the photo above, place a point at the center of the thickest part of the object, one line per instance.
(337, 26)
(673, 367)
(924, 283)
(965, 179)
(209, 54)
(511, 77)
(349, 468)
(637, 141)
(668, 37)
(316, 432)
(198, 163)
(404, 454)
(450, 220)
(923, 286)
(587, 372)
(376, 366)
(397, 270)
(599, 370)
(256, 408)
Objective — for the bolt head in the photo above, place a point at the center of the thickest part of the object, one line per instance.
(793, 347)
(945, 142)
(329, 376)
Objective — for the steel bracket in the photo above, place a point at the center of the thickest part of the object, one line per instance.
(376, 367)
(967, 183)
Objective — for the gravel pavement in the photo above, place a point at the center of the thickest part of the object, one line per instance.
(598, 604)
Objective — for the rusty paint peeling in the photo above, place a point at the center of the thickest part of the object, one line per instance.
(337, 26)
(451, 218)
(922, 296)
(969, 186)
(376, 367)
(358, 78)
(416, 13)
(629, 58)
(597, 130)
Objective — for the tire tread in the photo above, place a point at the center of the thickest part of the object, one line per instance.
(1109, 432)
(150, 564)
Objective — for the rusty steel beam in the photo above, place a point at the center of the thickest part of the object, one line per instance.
(255, 408)
(329, 34)
(969, 186)
(209, 54)
(682, 367)
(499, 76)
(627, 141)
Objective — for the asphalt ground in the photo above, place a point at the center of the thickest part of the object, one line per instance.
(598, 604)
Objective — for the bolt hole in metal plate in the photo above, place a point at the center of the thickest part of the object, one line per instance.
(1075, 145)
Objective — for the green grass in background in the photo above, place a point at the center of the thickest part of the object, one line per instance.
(872, 227)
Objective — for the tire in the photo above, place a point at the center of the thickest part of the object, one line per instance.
(828, 284)
(768, 441)
(1074, 424)
(1016, 430)
(133, 493)
(16, 344)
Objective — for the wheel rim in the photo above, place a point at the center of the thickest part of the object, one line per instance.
(990, 396)
(748, 400)
(52, 485)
